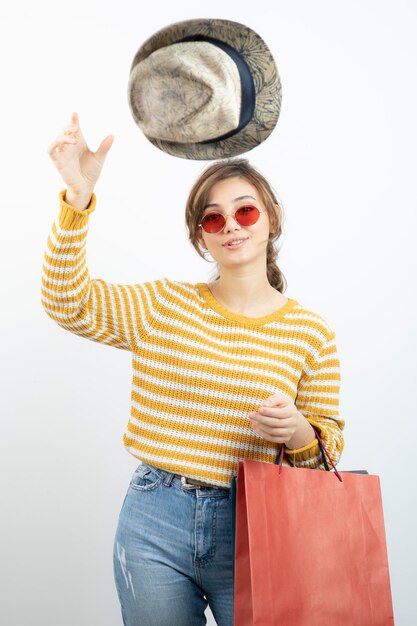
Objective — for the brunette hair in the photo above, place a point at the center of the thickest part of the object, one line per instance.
(197, 199)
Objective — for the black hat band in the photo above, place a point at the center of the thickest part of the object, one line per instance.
(248, 100)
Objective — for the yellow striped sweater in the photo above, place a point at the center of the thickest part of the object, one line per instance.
(198, 369)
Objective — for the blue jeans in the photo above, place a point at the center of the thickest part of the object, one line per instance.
(173, 552)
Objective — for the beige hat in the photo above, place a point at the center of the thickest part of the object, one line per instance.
(205, 89)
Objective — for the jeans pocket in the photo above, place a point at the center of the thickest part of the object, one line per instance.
(145, 478)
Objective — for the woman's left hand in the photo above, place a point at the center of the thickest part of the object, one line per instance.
(277, 419)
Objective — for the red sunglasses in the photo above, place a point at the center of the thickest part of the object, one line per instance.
(244, 215)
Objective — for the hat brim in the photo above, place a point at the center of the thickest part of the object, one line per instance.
(265, 76)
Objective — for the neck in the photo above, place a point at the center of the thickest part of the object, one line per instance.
(241, 288)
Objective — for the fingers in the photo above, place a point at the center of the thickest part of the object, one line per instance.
(272, 413)
(271, 422)
(75, 120)
(74, 126)
(70, 129)
(282, 437)
(59, 144)
(278, 399)
(68, 136)
(279, 428)
(279, 431)
(65, 138)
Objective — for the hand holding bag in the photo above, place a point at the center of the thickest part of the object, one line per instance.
(310, 547)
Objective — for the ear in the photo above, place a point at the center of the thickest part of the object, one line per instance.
(201, 242)
(278, 212)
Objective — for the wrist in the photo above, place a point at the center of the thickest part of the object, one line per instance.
(304, 434)
(79, 201)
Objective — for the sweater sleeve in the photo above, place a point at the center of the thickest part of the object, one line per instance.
(112, 314)
(318, 400)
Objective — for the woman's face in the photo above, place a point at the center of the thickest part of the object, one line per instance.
(228, 195)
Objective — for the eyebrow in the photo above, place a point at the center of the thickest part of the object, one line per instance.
(235, 200)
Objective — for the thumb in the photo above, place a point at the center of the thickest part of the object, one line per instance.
(104, 148)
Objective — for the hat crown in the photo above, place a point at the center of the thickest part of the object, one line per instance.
(186, 92)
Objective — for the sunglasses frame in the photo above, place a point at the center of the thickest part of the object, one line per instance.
(215, 232)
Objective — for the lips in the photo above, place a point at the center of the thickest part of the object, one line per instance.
(235, 241)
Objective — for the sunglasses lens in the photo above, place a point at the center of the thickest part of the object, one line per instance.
(213, 222)
(247, 215)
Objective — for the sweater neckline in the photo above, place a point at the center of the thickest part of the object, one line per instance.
(254, 321)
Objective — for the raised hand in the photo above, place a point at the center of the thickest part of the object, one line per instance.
(277, 419)
(78, 166)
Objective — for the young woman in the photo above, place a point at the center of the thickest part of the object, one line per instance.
(222, 371)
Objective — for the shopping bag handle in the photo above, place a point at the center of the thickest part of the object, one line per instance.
(323, 454)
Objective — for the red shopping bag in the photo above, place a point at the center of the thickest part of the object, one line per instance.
(310, 548)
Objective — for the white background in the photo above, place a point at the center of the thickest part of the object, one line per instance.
(343, 162)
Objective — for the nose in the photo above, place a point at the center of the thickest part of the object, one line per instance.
(230, 223)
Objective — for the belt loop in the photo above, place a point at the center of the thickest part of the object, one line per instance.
(168, 478)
